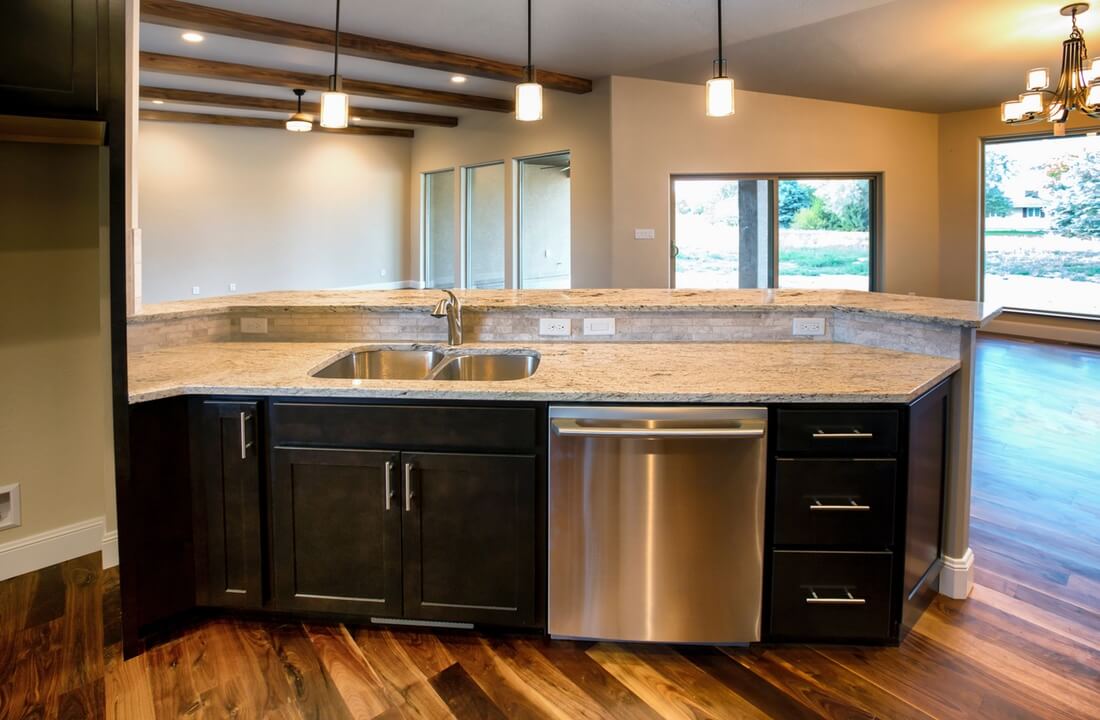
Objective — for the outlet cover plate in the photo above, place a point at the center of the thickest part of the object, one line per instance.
(554, 326)
(599, 326)
(808, 326)
(9, 507)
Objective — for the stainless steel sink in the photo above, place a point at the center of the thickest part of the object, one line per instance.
(403, 364)
(487, 367)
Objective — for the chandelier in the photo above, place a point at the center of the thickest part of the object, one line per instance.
(1078, 86)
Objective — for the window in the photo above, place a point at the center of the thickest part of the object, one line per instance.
(788, 232)
(484, 226)
(544, 221)
(1041, 224)
(439, 229)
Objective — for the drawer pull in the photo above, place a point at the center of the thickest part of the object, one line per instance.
(408, 486)
(389, 483)
(851, 506)
(245, 442)
(853, 435)
(850, 600)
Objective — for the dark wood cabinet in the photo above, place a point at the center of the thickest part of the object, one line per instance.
(336, 530)
(228, 484)
(53, 59)
(470, 538)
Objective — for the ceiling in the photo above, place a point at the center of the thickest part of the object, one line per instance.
(928, 55)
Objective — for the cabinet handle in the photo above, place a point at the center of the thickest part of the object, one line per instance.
(850, 600)
(245, 443)
(408, 486)
(389, 483)
(852, 505)
(855, 434)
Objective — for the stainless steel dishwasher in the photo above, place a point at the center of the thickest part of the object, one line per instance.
(656, 523)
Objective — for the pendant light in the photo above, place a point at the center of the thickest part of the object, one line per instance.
(720, 87)
(334, 102)
(528, 92)
(299, 121)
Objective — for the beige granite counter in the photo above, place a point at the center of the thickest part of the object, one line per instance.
(606, 372)
(901, 307)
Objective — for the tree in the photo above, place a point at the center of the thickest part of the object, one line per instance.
(816, 217)
(793, 197)
(854, 214)
(997, 203)
(1074, 190)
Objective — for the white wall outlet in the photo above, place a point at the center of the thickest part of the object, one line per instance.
(554, 326)
(599, 326)
(232, 287)
(808, 326)
(382, 272)
(644, 233)
(196, 290)
(9, 506)
(254, 326)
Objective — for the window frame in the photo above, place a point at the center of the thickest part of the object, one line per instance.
(464, 228)
(875, 199)
(425, 227)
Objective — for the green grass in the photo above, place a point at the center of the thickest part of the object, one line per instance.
(827, 260)
(1064, 265)
(1015, 232)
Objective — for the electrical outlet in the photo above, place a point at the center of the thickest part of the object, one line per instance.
(232, 287)
(9, 506)
(254, 326)
(599, 326)
(195, 290)
(644, 233)
(554, 326)
(808, 326)
(382, 272)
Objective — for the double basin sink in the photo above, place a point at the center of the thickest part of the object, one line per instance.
(429, 363)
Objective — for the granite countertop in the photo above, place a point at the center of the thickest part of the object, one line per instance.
(905, 307)
(607, 372)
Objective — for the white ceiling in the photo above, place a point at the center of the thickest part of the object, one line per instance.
(930, 55)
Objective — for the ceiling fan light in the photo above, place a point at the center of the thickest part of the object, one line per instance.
(1012, 111)
(528, 102)
(720, 97)
(1038, 79)
(1031, 103)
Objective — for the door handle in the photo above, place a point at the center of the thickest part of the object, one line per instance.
(567, 427)
(245, 443)
(389, 483)
(853, 435)
(408, 486)
(851, 506)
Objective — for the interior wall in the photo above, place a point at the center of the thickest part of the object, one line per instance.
(578, 123)
(54, 413)
(268, 210)
(659, 129)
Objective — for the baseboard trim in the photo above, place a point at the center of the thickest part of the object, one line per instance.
(1017, 327)
(52, 547)
(957, 576)
(110, 549)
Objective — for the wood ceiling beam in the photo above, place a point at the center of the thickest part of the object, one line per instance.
(239, 121)
(253, 27)
(247, 102)
(197, 67)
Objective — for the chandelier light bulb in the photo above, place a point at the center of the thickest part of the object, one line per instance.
(1031, 103)
(1038, 79)
(1012, 111)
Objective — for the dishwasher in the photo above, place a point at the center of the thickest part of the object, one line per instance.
(656, 523)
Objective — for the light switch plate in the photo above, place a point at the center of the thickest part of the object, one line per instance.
(599, 326)
(9, 507)
(808, 326)
(644, 233)
(254, 326)
(196, 290)
(554, 326)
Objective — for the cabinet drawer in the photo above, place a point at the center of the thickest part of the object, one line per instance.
(852, 433)
(834, 596)
(407, 427)
(834, 502)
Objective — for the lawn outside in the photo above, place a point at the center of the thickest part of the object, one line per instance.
(1043, 272)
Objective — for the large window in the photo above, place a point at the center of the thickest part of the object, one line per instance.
(484, 227)
(778, 231)
(439, 229)
(544, 221)
(1042, 224)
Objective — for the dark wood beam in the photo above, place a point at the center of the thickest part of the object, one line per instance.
(197, 67)
(253, 27)
(239, 121)
(247, 102)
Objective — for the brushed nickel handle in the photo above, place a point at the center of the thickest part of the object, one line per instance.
(851, 506)
(245, 443)
(408, 486)
(389, 483)
(850, 600)
(565, 427)
(853, 435)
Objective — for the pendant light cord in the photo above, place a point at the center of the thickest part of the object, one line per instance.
(336, 43)
(530, 67)
(720, 57)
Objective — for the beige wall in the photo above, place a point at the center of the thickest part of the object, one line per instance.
(659, 129)
(578, 123)
(268, 209)
(54, 411)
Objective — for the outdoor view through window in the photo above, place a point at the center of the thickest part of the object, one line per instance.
(723, 230)
(1042, 224)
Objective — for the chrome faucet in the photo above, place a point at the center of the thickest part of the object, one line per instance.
(450, 307)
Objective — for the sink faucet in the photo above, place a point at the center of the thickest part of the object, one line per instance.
(450, 307)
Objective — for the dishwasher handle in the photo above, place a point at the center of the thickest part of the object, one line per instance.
(570, 427)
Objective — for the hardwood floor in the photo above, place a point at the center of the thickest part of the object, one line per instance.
(1026, 644)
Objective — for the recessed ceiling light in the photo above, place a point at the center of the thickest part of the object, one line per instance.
(192, 37)
(158, 102)
(458, 79)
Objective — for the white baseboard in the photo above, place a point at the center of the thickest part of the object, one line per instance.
(110, 549)
(1022, 327)
(53, 547)
(957, 576)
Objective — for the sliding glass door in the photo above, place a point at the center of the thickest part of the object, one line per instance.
(544, 221)
(439, 229)
(484, 231)
(778, 231)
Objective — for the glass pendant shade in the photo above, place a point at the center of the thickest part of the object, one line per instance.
(334, 106)
(1031, 103)
(1012, 111)
(1093, 98)
(1038, 79)
(528, 102)
(720, 97)
(299, 122)
(1092, 72)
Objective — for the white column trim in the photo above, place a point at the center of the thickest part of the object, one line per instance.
(957, 576)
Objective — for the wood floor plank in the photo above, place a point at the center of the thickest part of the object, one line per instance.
(362, 690)
(503, 686)
(406, 686)
(573, 660)
(82, 660)
(314, 693)
(86, 702)
(546, 680)
(755, 689)
(425, 649)
(37, 675)
(128, 690)
(171, 683)
(463, 696)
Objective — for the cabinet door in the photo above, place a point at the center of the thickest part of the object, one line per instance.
(50, 56)
(336, 530)
(229, 482)
(470, 538)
